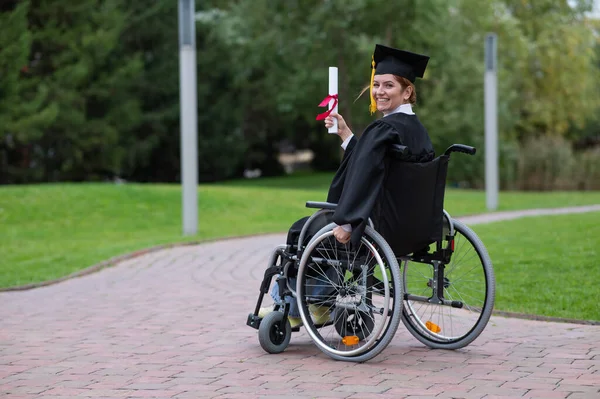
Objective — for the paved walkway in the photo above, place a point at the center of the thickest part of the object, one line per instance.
(171, 324)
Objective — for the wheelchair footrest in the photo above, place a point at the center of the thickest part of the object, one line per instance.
(253, 321)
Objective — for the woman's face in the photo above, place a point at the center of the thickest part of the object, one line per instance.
(388, 93)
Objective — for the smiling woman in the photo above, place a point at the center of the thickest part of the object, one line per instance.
(392, 76)
(391, 91)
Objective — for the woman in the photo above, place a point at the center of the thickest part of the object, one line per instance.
(359, 179)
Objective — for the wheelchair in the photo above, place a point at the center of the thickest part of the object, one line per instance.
(421, 267)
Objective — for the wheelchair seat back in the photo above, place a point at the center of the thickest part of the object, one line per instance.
(410, 205)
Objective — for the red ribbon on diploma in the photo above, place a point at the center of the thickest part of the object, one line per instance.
(325, 103)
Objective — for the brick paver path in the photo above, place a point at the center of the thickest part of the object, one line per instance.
(171, 323)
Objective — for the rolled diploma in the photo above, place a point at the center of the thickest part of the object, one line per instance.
(333, 89)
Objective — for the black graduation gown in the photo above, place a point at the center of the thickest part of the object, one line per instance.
(360, 177)
(337, 184)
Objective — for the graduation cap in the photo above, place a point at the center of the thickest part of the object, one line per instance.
(396, 62)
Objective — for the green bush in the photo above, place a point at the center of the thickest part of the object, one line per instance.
(587, 172)
(509, 164)
(546, 163)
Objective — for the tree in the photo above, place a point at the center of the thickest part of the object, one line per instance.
(555, 73)
(75, 60)
(154, 146)
(91, 90)
(23, 111)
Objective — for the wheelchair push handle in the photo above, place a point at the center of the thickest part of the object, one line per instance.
(461, 148)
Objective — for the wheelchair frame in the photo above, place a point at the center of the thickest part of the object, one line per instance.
(425, 297)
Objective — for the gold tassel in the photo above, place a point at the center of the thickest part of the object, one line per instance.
(373, 106)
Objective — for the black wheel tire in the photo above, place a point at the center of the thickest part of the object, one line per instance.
(274, 333)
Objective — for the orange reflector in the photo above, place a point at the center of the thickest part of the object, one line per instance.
(433, 327)
(350, 340)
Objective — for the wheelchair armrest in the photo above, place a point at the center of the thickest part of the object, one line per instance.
(320, 205)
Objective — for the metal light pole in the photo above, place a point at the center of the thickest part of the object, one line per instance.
(188, 116)
(491, 122)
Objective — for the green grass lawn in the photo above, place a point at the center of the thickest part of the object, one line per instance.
(48, 231)
(546, 265)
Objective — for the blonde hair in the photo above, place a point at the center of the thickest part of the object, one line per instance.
(404, 83)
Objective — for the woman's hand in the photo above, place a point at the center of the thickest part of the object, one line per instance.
(341, 235)
(343, 129)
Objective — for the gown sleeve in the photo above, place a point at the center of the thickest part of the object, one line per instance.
(364, 176)
(349, 147)
(337, 184)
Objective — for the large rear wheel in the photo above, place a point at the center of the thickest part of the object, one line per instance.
(455, 318)
(349, 298)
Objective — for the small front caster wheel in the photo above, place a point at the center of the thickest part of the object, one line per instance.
(274, 333)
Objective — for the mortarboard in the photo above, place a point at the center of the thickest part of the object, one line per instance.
(397, 62)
